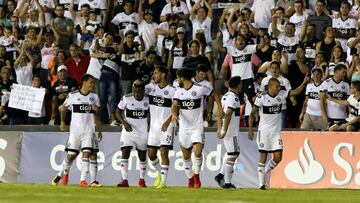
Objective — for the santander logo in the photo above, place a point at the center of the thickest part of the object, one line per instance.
(306, 170)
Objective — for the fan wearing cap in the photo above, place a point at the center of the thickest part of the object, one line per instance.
(147, 27)
(177, 53)
(61, 88)
(128, 17)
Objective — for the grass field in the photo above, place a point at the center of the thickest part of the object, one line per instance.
(46, 193)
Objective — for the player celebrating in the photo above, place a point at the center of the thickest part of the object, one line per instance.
(187, 109)
(84, 105)
(132, 112)
(161, 134)
(229, 130)
(268, 137)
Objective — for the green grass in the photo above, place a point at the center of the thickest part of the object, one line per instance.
(46, 193)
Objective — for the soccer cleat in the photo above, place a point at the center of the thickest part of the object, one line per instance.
(219, 178)
(263, 187)
(142, 182)
(83, 183)
(55, 180)
(95, 184)
(229, 186)
(157, 180)
(65, 179)
(161, 185)
(123, 183)
(197, 183)
(191, 182)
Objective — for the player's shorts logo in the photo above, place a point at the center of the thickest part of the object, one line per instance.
(261, 145)
(306, 170)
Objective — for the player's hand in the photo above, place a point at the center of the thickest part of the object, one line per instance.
(62, 108)
(127, 127)
(94, 107)
(100, 136)
(165, 126)
(293, 101)
(62, 127)
(221, 134)
(251, 134)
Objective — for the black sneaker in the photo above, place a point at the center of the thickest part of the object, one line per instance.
(263, 187)
(219, 178)
(229, 186)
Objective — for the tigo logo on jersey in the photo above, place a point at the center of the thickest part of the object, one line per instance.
(318, 160)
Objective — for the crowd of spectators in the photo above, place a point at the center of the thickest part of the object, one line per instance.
(51, 43)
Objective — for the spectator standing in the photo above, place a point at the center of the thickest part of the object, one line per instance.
(77, 63)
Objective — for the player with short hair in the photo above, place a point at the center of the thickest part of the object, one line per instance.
(187, 108)
(161, 135)
(132, 112)
(269, 140)
(228, 129)
(84, 104)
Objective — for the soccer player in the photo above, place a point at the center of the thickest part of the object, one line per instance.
(84, 105)
(187, 108)
(352, 123)
(229, 130)
(160, 94)
(269, 140)
(132, 112)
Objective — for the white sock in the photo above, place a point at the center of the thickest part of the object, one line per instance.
(164, 171)
(93, 170)
(84, 168)
(188, 168)
(222, 170)
(261, 173)
(124, 168)
(197, 163)
(229, 171)
(143, 165)
(156, 164)
(270, 166)
(65, 167)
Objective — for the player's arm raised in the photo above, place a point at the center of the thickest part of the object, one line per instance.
(254, 111)
(121, 117)
(299, 89)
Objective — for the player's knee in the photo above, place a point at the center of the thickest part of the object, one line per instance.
(86, 154)
(93, 156)
(71, 156)
(152, 155)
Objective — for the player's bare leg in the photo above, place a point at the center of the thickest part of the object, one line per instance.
(125, 154)
(152, 154)
(198, 148)
(261, 170)
(188, 166)
(94, 170)
(143, 165)
(84, 168)
(165, 162)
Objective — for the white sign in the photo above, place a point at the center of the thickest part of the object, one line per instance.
(27, 98)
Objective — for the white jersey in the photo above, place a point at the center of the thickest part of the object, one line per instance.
(96, 5)
(82, 116)
(178, 9)
(335, 90)
(354, 107)
(298, 22)
(136, 114)
(284, 84)
(241, 61)
(24, 74)
(270, 110)
(46, 54)
(204, 27)
(147, 31)
(332, 66)
(344, 27)
(178, 55)
(122, 21)
(231, 100)
(7, 43)
(50, 4)
(204, 82)
(313, 104)
(288, 45)
(160, 100)
(66, 4)
(191, 106)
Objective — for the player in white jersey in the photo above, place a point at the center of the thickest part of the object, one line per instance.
(269, 104)
(133, 112)
(337, 88)
(352, 123)
(161, 134)
(228, 130)
(187, 109)
(311, 116)
(84, 105)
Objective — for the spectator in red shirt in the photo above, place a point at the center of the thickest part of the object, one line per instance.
(77, 64)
